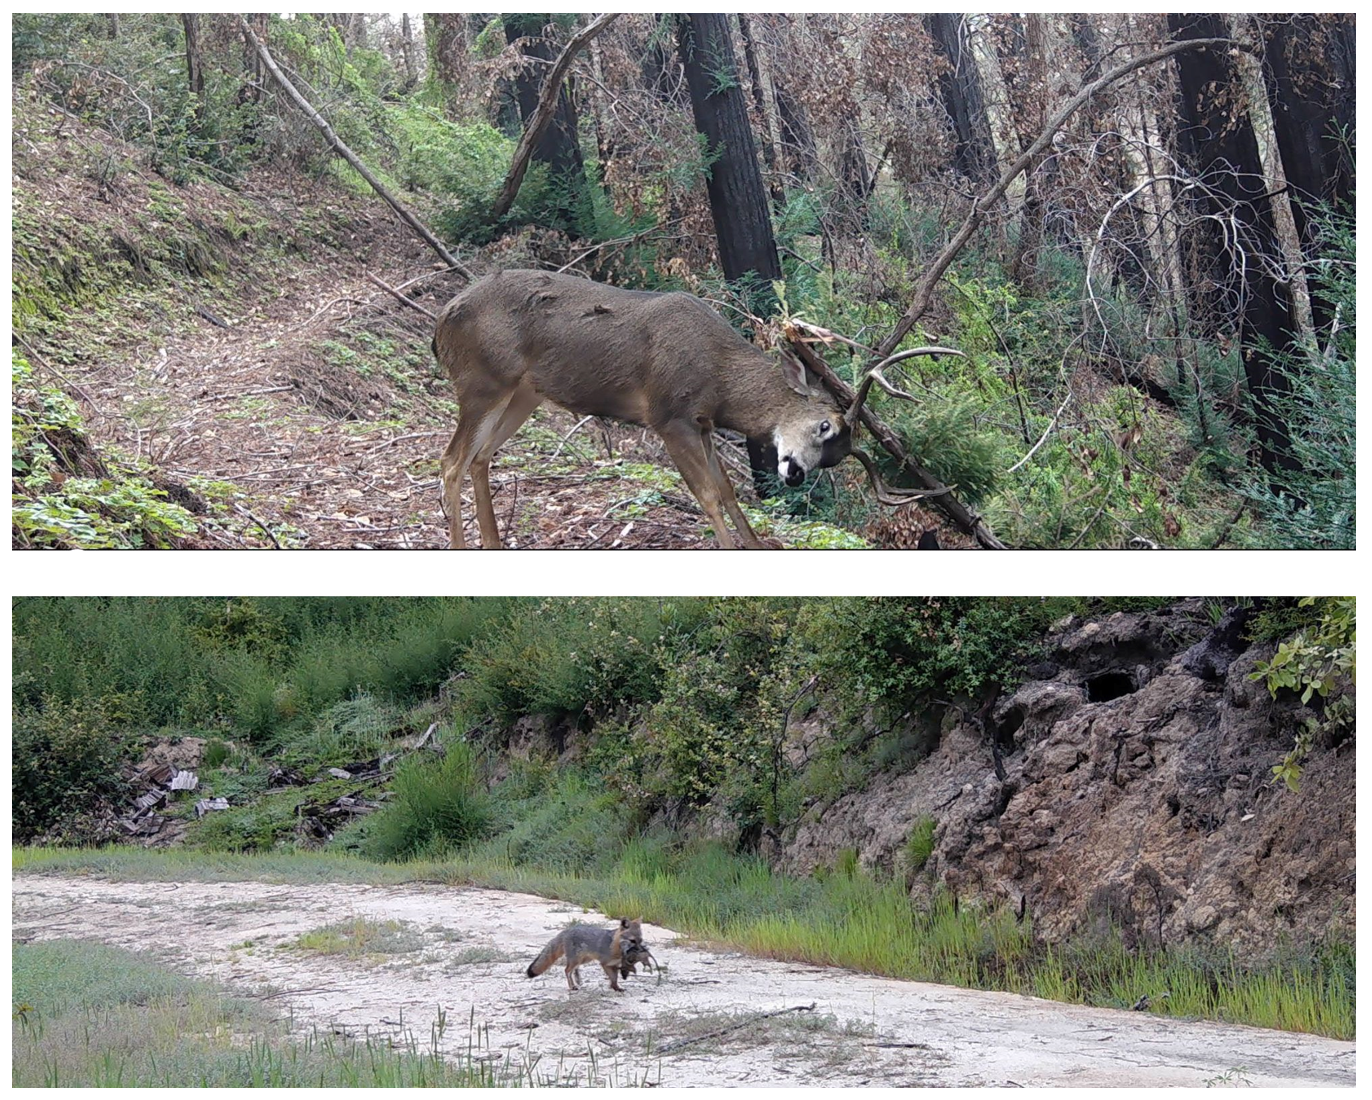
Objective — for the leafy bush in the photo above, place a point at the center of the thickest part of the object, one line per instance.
(65, 496)
(435, 807)
(65, 754)
(1321, 661)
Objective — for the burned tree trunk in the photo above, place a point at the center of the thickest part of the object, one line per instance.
(1221, 150)
(769, 153)
(738, 203)
(974, 154)
(195, 64)
(1309, 71)
(558, 146)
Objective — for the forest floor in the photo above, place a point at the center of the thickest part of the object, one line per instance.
(229, 340)
(704, 1019)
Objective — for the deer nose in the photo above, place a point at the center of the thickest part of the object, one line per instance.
(792, 472)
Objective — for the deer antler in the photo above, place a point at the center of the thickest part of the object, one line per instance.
(853, 416)
(884, 493)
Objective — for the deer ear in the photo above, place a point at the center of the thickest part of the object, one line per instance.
(794, 372)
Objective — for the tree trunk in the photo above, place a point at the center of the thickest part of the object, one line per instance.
(1310, 73)
(960, 89)
(769, 153)
(557, 146)
(738, 203)
(747, 251)
(1220, 148)
(445, 35)
(407, 51)
(195, 65)
(995, 103)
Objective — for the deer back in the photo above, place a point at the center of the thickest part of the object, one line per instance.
(642, 356)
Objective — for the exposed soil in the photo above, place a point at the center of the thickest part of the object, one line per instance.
(469, 947)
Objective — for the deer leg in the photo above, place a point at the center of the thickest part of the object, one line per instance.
(687, 449)
(726, 492)
(476, 422)
(523, 403)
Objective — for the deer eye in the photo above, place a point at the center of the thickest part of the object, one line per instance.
(824, 427)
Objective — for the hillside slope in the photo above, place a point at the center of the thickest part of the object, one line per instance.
(227, 343)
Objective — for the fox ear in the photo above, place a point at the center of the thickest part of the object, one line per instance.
(624, 922)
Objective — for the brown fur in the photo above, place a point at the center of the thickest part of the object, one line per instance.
(667, 361)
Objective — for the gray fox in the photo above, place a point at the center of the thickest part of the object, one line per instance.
(581, 943)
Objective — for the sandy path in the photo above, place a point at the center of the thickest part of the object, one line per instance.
(470, 948)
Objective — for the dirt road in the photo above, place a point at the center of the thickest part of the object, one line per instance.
(466, 950)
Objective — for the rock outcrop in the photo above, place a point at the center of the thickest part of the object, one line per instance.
(1137, 791)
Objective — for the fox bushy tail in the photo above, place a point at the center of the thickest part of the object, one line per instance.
(546, 957)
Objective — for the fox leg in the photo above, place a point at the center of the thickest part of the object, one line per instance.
(612, 972)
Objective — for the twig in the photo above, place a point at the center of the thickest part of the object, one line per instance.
(400, 297)
(734, 1027)
(399, 438)
(247, 393)
(575, 428)
(268, 531)
(1044, 436)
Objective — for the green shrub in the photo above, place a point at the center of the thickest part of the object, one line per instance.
(65, 754)
(434, 807)
(568, 657)
(1314, 506)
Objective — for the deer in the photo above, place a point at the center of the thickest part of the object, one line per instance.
(662, 360)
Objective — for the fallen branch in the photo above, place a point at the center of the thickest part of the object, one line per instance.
(942, 497)
(347, 154)
(401, 297)
(544, 111)
(266, 530)
(734, 1027)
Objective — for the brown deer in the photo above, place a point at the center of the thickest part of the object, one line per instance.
(666, 361)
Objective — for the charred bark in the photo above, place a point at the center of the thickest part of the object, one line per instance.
(738, 202)
(974, 154)
(1234, 272)
(557, 146)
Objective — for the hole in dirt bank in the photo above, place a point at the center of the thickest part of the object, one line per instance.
(1109, 685)
(1009, 725)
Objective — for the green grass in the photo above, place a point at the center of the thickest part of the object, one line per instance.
(361, 938)
(845, 919)
(88, 1015)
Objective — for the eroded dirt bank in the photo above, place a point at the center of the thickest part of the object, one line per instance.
(467, 949)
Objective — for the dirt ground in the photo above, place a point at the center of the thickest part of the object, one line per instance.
(465, 950)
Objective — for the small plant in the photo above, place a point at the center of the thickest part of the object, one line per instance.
(920, 846)
(1319, 661)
